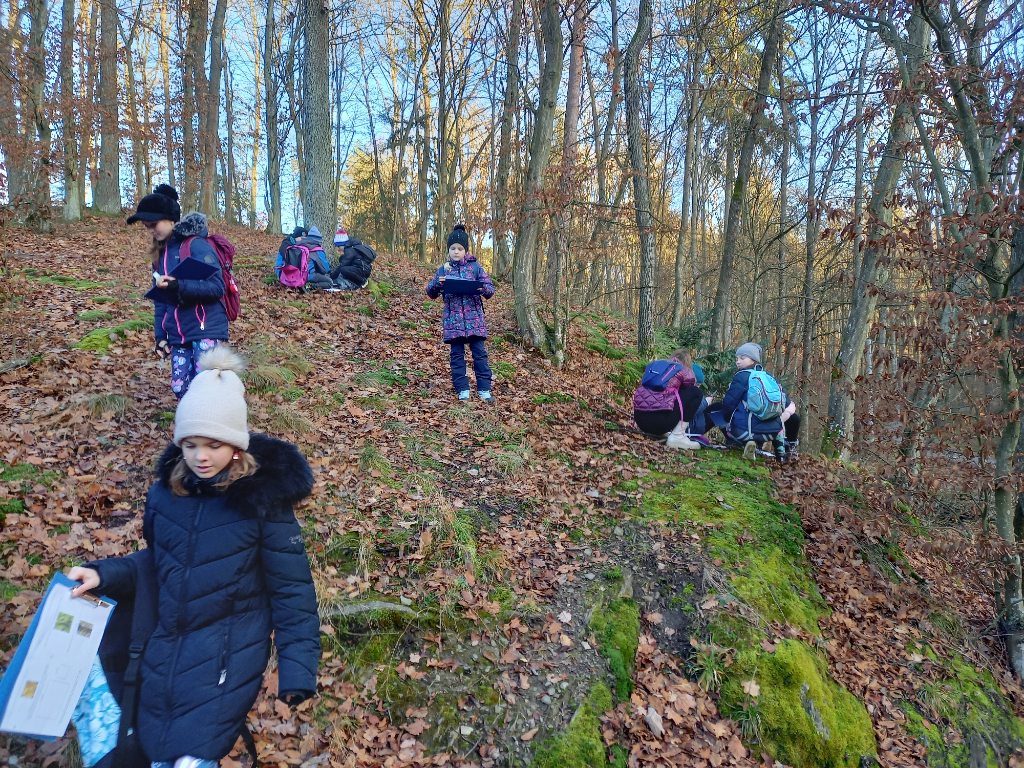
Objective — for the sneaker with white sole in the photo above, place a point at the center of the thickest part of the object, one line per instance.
(486, 396)
(464, 394)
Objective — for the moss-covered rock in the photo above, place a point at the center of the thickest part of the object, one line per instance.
(803, 716)
(969, 700)
(581, 745)
(100, 339)
(617, 628)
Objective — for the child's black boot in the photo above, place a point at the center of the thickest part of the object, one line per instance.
(780, 449)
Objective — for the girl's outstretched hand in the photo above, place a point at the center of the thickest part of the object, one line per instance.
(90, 580)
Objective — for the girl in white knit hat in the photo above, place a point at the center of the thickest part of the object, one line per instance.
(231, 569)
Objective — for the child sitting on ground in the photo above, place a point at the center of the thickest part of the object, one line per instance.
(319, 267)
(668, 411)
(463, 319)
(741, 427)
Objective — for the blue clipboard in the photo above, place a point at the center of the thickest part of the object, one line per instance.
(456, 286)
(187, 269)
(11, 673)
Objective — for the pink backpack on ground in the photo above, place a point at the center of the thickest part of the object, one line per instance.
(295, 272)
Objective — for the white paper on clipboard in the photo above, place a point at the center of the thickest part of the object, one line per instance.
(41, 687)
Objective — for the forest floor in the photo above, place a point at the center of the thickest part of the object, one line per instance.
(528, 581)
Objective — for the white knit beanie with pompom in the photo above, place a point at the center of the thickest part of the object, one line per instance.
(214, 405)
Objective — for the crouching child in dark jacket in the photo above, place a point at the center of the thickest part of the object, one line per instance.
(231, 569)
(741, 427)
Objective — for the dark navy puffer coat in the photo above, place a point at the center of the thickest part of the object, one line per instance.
(198, 314)
(231, 568)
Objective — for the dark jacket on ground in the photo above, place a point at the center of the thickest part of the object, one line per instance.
(743, 425)
(198, 313)
(231, 569)
(354, 264)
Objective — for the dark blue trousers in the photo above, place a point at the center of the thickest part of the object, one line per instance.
(478, 347)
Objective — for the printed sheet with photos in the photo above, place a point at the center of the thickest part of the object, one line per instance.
(40, 688)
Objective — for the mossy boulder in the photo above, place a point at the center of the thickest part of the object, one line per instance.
(581, 745)
(968, 699)
(806, 719)
(617, 628)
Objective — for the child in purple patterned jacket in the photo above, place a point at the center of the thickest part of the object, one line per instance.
(464, 315)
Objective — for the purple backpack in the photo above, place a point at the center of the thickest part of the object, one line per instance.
(658, 374)
(295, 272)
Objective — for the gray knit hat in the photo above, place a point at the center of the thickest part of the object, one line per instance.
(214, 405)
(751, 350)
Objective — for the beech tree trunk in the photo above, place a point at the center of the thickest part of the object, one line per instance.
(641, 183)
(523, 262)
(321, 205)
(723, 294)
(40, 217)
(107, 193)
(69, 129)
(502, 254)
(842, 391)
(273, 201)
(211, 116)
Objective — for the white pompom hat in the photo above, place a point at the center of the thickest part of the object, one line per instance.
(214, 405)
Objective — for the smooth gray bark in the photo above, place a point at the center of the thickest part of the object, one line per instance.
(723, 293)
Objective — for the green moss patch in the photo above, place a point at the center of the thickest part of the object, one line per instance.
(801, 716)
(100, 339)
(66, 281)
(968, 699)
(755, 538)
(581, 745)
(94, 315)
(617, 628)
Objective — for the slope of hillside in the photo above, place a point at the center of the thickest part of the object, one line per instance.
(527, 581)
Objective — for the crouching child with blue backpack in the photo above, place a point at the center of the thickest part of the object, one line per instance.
(750, 413)
(668, 401)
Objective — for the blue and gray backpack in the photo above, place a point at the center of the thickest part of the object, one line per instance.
(764, 395)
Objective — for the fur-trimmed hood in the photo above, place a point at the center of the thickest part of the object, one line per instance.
(283, 477)
(192, 225)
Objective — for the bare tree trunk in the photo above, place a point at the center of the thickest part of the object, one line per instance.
(72, 191)
(210, 139)
(90, 80)
(165, 68)
(858, 182)
(137, 129)
(530, 324)
(502, 254)
(732, 227)
(230, 180)
(195, 103)
(107, 195)
(812, 234)
(780, 308)
(684, 224)
(695, 207)
(321, 206)
(842, 392)
(562, 235)
(641, 183)
(270, 87)
(40, 217)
